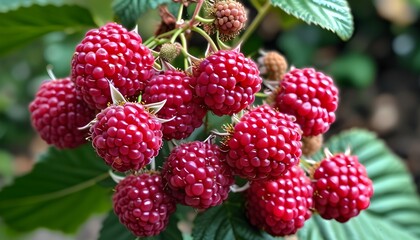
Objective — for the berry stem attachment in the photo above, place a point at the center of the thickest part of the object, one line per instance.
(307, 163)
(220, 43)
(262, 11)
(204, 20)
(235, 188)
(115, 177)
(153, 164)
(50, 72)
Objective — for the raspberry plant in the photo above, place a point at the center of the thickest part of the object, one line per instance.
(232, 139)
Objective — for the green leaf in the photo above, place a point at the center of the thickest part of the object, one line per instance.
(25, 24)
(226, 221)
(333, 15)
(112, 229)
(128, 11)
(60, 193)
(7, 5)
(394, 212)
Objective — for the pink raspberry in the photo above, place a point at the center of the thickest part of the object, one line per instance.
(281, 206)
(264, 144)
(181, 103)
(227, 81)
(142, 205)
(342, 187)
(195, 175)
(110, 53)
(126, 136)
(57, 112)
(311, 97)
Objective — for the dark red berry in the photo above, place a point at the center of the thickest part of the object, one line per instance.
(342, 187)
(263, 144)
(280, 207)
(181, 103)
(311, 97)
(227, 81)
(142, 205)
(110, 53)
(195, 175)
(57, 113)
(126, 136)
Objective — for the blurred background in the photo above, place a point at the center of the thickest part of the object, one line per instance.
(377, 71)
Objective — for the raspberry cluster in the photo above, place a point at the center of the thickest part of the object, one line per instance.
(134, 105)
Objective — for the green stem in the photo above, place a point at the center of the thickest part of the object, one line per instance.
(206, 36)
(180, 11)
(184, 50)
(204, 20)
(255, 23)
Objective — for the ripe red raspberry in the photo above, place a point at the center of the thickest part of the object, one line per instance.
(264, 144)
(110, 53)
(142, 205)
(227, 81)
(126, 136)
(280, 207)
(341, 187)
(57, 112)
(230, 18)
(195, 175)
(311, 97)
(174, 86)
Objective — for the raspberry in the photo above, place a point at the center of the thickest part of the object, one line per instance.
(310, 145)
(57, 113)
(341, 187)
(127, 137)
(230, 18)
(142, 205)
(264, 144)
(174, 86)
(227, 81)
(275, 65)
(195, 175)
(311, 97)
(110, 53)
(280, 207)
